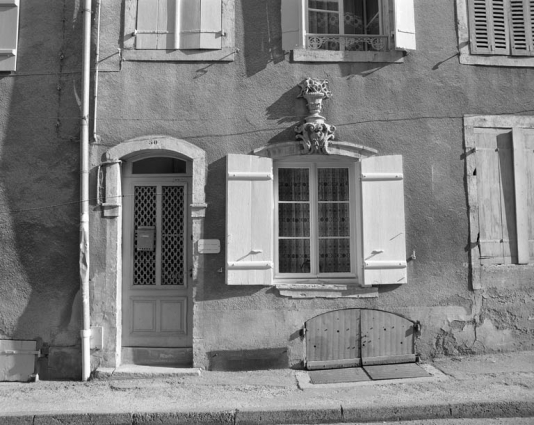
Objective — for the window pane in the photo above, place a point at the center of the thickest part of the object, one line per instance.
(334, 255)
(323, 4)
(294, 256)
(362, 16)
(294, 220)
(293, 184)
(333, 184)
(334, 220)
(160, 165)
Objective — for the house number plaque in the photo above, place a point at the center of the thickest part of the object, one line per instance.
(209, 246)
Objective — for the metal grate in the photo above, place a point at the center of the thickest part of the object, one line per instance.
(144, 215)
(172, 235)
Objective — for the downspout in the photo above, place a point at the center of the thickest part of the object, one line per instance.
(97, 63)
(84, 192)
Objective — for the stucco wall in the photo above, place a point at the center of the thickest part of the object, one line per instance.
(414, 109)
(39, 163)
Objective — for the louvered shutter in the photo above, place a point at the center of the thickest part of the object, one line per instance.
(383, 227)
(249, 220)
(489, 27)
(495, 196)
(404, 25)
(198, 24)
(9, 28)
(293, 24)
(521, 20)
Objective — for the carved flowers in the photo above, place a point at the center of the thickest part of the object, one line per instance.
(314, 133)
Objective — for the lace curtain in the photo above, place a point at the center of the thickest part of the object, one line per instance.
(359, 17)
(333, 223)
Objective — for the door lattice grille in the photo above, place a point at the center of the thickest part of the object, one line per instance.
(172, 235)
(144, 215)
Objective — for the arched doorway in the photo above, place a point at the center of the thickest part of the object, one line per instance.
(160, 181)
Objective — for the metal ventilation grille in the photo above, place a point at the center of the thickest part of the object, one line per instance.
(144, 215)
(172, 235)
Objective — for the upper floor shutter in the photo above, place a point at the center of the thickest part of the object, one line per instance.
(199, 24)
(489, 27)
(9, 28)
(404, 25)
(249, 220)
(521, 27)
(179, 24)
(383, 227)
(155, 24)
(293, 24)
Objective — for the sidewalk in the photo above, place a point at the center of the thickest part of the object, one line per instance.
(492, 386)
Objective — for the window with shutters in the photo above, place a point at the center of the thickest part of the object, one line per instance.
(500, 173)
(496, 32)
(9, 29)
(348, 30)
(298, 222)
(179, 30)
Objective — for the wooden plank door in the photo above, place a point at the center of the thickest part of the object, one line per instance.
(156, 295)
(353, 337)
(333, 340)
(386, 338)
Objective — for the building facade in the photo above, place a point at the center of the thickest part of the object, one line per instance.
(227, 208)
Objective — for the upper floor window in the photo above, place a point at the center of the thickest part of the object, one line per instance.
(9, 33)
(501, 27)
(189, 30)
(346, 25)
(496, 32)
(356, 30)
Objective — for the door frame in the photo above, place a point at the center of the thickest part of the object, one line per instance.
(107, 286)
(128, 183)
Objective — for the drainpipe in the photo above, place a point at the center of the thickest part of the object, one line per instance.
(84, 192)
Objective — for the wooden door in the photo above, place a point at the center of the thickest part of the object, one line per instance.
(156, 295)
(353, 337)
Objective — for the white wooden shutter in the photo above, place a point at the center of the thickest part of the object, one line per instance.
(404, 25)
(9, 34)
(383, 227)
(293, 24)
(521, 27)
(489, 27)
(249, 220)
(155, 24)
(198, 24)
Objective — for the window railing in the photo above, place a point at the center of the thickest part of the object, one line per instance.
(353, 43)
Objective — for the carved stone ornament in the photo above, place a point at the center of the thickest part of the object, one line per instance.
(314, 134)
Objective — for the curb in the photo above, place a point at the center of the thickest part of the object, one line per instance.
(498, 409)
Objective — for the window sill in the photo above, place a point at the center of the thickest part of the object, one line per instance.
(226, 54)
(325, 290)
(494, 60)
(305, 55)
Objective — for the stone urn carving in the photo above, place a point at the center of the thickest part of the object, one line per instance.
(314, 133)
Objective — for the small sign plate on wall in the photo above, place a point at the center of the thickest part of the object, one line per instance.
(209, 246)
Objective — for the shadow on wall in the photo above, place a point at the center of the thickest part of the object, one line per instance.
(262, 38)
(241, 360)
(39, 187)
